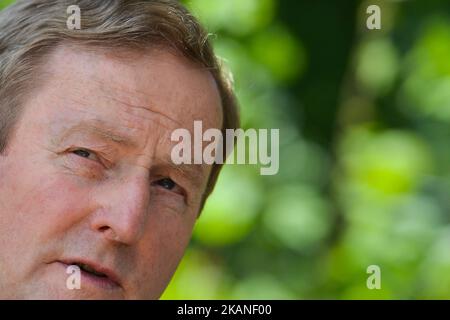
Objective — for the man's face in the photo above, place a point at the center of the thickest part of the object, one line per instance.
(87, 177)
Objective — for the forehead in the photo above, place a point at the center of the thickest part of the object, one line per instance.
(130, 90)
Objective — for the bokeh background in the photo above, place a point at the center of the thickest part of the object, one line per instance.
(364, 179)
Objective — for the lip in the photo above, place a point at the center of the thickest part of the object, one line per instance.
(111, 281)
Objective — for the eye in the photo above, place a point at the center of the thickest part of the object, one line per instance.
(166, 183)
(83, 153)
(170, 185)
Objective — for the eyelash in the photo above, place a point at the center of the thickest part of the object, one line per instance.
(85, 153)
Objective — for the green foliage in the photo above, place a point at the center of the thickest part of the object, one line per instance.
(5, 3)
(378, 194)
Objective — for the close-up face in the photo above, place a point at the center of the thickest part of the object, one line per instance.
(87, 177)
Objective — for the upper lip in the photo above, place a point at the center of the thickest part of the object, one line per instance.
(110, 273)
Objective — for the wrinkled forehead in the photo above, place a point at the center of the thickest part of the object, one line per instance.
(131, 90)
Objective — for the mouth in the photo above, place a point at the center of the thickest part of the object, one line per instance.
(94, 274)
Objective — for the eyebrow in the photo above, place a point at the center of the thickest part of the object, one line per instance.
(99, 128)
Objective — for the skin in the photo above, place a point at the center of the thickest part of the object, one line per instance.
(85, 174)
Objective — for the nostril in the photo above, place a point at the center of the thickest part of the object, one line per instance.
(109, 233)
(103, 229)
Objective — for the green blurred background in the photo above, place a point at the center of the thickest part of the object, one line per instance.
(364, 119)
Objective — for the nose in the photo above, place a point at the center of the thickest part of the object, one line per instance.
(123, 211)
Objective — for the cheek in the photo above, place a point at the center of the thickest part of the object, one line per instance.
(37, 207)
(46, 204)
(61, 203)
(161, 250)
(171, 234)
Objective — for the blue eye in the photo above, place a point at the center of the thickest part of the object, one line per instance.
(166, 183)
